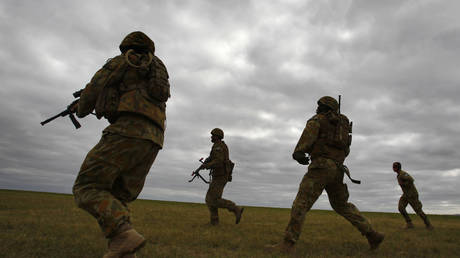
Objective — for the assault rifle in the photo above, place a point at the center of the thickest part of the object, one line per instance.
(68, 111)
(196, 173)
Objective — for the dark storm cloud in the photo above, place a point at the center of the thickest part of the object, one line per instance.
(255, 69)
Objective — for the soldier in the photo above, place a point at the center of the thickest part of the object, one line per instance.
(219, 164)
(131, 91)
(327, 139)
(410, 196)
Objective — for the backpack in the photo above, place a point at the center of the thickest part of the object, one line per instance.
(109, 98)
(229, 165)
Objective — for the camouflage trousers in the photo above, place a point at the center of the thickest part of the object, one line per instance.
(112, 175)
(326, 176)
(416, 205)
(214, 198)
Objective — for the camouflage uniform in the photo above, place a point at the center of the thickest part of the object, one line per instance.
(221, 172)
(216, 162)
(326, 138)
(410, 196)
(113, 172)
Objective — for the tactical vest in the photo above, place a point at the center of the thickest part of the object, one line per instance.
(229, 165)
(226, 168)
(334, 137)
(143, 89)
(408, 187)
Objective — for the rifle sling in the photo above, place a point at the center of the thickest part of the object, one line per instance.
(347, 172)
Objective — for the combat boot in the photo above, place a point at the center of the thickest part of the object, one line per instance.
(214, 221)
(285, 247)
(238, 213)
(374, 238)
(427, 222)
(125, 243)
(409, 225)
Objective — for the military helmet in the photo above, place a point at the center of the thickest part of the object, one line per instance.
(218, 132)
(330, 102)
(139, 40)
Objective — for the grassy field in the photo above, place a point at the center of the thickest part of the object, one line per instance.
(50, 225)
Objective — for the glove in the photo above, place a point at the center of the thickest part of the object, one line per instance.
(300, 158)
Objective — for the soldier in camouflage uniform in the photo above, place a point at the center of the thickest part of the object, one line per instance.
(131, 91)
(218, 163)
(327, 139)
(410, 196)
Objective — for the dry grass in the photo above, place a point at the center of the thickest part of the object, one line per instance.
(50, 225)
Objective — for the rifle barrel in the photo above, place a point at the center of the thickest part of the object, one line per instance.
(63, 113)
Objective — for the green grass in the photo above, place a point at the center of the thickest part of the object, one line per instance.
(36, 224)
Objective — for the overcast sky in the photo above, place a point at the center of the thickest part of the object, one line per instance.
(254, 69)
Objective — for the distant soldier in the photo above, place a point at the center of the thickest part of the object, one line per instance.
(130, 91)
(410, 196)
(327, 139)
(220, 165)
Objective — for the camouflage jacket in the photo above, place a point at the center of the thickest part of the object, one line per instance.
(217, 158)
(139, 86)
(314, 139)
(407, 183)
(136, 126)
(133, 121)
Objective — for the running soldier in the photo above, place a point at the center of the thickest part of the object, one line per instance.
(410, 196)
(220, 165)
(327, 139)
(130, 91)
